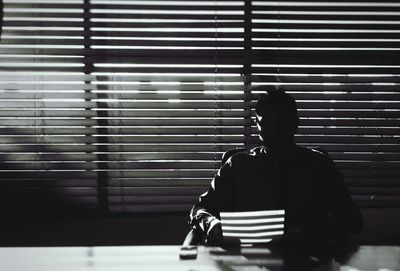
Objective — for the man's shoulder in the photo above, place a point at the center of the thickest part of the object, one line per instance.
(239, 154)
(247, 155)
(306, 154)
(316, 154)
(314, 151)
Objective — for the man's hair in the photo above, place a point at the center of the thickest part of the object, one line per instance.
(281, 100)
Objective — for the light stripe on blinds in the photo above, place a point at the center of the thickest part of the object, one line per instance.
(118, 106)
(340, 61)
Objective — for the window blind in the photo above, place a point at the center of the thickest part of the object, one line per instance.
(126, 106)
(340, 60)
(118, 106)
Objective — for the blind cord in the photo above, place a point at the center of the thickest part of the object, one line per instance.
(278, 56)
(215, 83)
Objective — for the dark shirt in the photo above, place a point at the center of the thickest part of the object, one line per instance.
(305, 183)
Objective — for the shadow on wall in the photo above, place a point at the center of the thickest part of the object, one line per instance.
(37, 212)
(31, 190)
(42, 179)
(138, 230)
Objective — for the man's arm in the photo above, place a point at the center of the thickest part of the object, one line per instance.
(204, 215)
(345, 217)
(337, 215)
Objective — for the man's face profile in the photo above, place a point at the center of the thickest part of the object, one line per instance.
(275, 128)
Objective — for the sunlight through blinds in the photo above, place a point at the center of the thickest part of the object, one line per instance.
(127, 106)
(341, 61)
(118, 106)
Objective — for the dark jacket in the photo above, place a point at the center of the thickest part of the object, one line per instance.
(306, 184)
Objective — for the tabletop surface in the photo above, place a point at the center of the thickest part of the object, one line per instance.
(377, 258)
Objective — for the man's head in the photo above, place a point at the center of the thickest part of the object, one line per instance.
(276, 119)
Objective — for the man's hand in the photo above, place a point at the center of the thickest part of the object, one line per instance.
(214, 231)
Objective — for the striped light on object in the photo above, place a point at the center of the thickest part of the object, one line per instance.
(253, 227)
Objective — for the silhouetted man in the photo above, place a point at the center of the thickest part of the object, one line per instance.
(280, 175)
